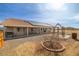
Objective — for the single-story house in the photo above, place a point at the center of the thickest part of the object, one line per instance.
(15, 28)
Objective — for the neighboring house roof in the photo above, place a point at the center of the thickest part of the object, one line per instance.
(16, 22)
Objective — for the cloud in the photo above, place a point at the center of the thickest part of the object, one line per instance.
(76, 17)
(67, 14)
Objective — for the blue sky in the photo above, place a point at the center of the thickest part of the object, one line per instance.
(66, 14)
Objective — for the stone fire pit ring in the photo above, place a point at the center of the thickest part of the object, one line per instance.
(52, 46)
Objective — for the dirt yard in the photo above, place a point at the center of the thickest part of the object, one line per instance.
(30, 46)
(11, 46)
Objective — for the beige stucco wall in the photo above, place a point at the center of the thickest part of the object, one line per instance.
(24, 32)
(14, 30)
(18, 32)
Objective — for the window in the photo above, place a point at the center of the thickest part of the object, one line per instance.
(41, 29)
(32, 29)
(45, 29)
(18, 29)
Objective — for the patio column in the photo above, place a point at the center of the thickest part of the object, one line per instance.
(40, 31)
(37, 30)
(27, 31)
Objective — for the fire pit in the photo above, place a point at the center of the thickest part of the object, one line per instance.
(53, 46)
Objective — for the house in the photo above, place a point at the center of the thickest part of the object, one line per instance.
(16, 28)
(40, 28)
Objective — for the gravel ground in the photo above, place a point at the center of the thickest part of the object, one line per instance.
(71, 46)
(10, 45)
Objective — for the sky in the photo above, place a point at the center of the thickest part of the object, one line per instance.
(67, 14)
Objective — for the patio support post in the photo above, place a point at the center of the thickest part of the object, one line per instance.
(27, 31)
(39, 30)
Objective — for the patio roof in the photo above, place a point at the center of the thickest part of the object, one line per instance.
(39, 24)
(16, 23)
(23, 23)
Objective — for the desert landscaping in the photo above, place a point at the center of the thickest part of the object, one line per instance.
(31, 46)
(60, 42)
(39, 29)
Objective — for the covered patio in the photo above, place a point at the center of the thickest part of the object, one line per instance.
(16, 28)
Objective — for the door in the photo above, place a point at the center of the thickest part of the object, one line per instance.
(1, 38)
